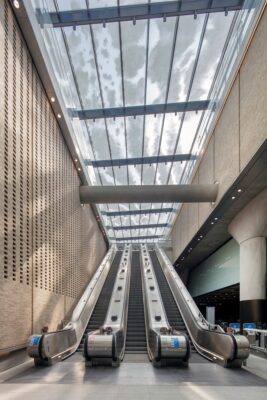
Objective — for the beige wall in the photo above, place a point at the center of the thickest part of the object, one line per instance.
(239, 132)
(49, 244)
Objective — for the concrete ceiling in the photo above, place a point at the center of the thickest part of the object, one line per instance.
(252, 180)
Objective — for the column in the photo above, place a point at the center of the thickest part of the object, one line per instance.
(249, 229)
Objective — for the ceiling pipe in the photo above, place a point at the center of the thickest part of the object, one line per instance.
(149, 194)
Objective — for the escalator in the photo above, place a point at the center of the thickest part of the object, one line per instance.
(99, 314)
(136, 333)
(173, 314)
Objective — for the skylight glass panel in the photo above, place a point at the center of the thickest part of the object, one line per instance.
(102, 3)
(64, 5)
(117, 138)
(107, 51)
(81, 52)
(107, 176)
(121, 177)
(134, 61)
(169, 135)
(152, 134)
(134, 134)
(134, 174)
(160, 39)
(149, 174)
(188, 37)
(188, 132)
(162, 173)
(99, 139)
(214, 40)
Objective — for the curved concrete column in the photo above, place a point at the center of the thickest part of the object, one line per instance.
(249, 228)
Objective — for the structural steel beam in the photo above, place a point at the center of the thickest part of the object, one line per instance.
(128, 227)
(155, 109)
(135, 12)
(138, 212)
(119, 162)
(137, 237)
(148, 194)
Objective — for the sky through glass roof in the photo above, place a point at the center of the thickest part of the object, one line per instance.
(138, 63)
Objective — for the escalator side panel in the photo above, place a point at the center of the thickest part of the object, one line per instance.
(173, 314)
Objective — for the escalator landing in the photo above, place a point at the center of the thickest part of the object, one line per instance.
(71, 379)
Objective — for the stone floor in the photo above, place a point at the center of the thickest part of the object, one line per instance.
(138, 380)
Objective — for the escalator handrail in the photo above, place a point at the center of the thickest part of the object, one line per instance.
(199, 318)
(64, 342)
(227, 349)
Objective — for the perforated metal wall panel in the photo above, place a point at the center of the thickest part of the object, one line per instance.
(50, 245)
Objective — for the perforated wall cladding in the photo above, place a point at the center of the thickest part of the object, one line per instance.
(50, 245)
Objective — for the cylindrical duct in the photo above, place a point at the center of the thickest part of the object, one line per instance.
(148, 194)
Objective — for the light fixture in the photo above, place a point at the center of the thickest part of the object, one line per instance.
(16, 4)
(76, 160)
(53, 99)
(239, 190)
(59, 116)
(233, 197)
(201, 236)
(216, 219)
(79, 169)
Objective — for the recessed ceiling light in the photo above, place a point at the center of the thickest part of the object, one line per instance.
(76, 160)
(239, 190)
(53, 99)
(233, 197)
(59, 116)
(79, 169)
(16, 3)
(212, 223)
(216, 219)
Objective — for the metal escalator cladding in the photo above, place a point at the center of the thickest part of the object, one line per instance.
(173, 314)
(100, 311)
(136, 333)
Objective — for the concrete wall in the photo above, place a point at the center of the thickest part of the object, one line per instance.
(239, 132)
(50, 245)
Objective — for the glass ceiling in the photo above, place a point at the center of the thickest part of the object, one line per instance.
(174, 59)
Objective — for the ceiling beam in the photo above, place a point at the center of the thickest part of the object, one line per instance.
(138, 212)
(140, 238)
(135, 12)
(128, 227)
(133, 111)
(119, 162)
(148, 194)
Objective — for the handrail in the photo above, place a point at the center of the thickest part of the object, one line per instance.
(57, 345)
(107, 344)
(209, 340)
(164, 344)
